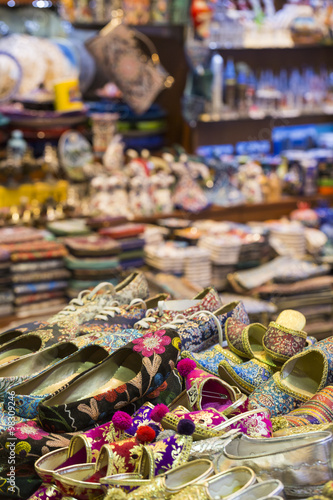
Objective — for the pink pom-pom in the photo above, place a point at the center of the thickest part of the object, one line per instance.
(159, 412)
(185, 366)
(122, 420)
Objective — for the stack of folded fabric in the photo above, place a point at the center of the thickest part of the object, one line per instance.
(224, 249)
(91, 259)
(169, 257)
(6, 293)
(131, 242)
(39, 277)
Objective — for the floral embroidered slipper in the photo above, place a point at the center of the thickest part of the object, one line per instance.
(128, 374)
(285, 337)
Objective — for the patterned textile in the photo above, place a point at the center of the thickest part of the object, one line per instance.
(282, 343)
(11, 235)
(210, 359)
(207, 391)
(93, 245)
(158, 353)
(275, 397)
(239, 336)
(318, 410)
(247, 376)
(91, 263)
(38, 297)
(39, 287)
(56, 274)
(43, 265)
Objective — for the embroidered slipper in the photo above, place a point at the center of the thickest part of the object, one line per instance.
(249, 375)
(285, 337)
(210, 359)
(243, 339)
(205, 390)
(130, 373)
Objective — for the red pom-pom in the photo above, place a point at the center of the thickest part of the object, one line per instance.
(185, 366)
(122, 420)
(145, 434)
(159, 412)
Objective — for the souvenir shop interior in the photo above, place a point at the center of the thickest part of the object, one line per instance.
(166, 249)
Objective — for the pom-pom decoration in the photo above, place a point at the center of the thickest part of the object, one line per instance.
(186, 427)
(159, 412)
(145, 434)
(185, 366)
(155, 428)
(122, 420)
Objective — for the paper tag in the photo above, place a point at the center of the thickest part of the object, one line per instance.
(193, 395)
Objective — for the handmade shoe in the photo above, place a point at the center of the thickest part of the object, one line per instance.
(244, 339)
(85, 447)
(285, 337)
(175, 480)
(45, 492)
(24, 398)
(126, 375)
(318, 410)
(65, 324)
(223, 485)
(114, 318)
(135, 286)
(303, 429)
(304, 463)
(300, 378)
(207, 300)
(20, 369)
(205, 390)
(210, 359)
(260, 491)
(127, 456)
(210, 423)
(247, 376)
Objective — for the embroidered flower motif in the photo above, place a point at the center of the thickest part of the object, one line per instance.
(111, 395)
(25, 430)
(152, 343)
(157, 392)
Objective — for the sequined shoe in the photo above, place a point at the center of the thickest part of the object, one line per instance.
(223, 485)
(126, 375)
(304, 460)
(285, 337)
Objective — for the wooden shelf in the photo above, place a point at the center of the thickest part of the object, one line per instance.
(246, 212)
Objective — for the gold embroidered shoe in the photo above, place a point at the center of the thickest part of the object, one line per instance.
(249, 375)
(285, 337)
(243, 339)
(172, 482)
(300, 378)
(223, 485)
(301, 462)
